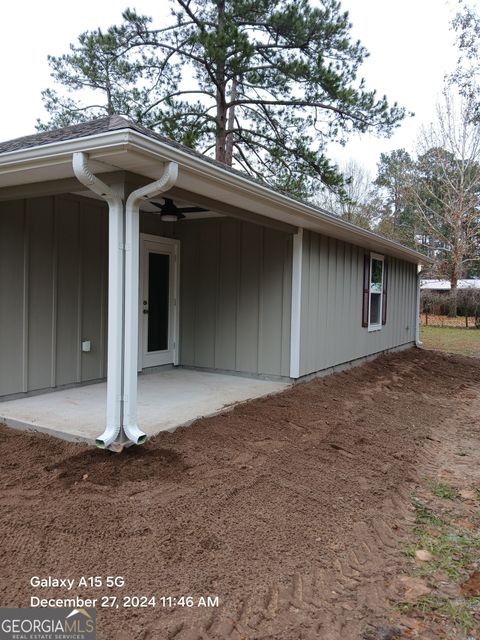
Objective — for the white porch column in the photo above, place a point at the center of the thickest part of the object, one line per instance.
(130, 341)
(295, 325)
(115, 296)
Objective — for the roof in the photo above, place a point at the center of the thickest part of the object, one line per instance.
(445, 285)
(117, 143)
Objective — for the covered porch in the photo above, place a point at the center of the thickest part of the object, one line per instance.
(166, 400)
(102, 286)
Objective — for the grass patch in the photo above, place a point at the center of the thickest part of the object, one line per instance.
(465, 342)
(442, 490)
(462, 614)
(453, 553)
(425, 515)
(456, 553)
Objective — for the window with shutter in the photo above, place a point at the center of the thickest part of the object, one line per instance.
(374, 292)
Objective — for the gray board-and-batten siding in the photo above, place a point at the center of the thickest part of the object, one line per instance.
(331, 305)
(235, 293)
(235, 301)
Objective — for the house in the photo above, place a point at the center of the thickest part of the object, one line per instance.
(441, 286)
(122, 251)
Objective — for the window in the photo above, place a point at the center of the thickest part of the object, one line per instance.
(374, 292)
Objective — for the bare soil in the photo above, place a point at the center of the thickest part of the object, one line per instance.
(293, 509)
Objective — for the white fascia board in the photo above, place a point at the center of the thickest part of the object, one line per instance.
(295, 213)
(98, 146)
(273, 204)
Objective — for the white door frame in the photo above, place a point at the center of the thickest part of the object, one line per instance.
(174, 246)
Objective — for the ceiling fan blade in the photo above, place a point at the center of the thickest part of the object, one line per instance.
(191, 209)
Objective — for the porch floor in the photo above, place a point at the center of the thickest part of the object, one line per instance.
(166, 400)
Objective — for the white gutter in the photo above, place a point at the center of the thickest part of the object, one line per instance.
(418, 342)
(101, 145)
(132, 241)
(115, 296)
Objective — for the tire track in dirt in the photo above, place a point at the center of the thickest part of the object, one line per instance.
(293, 508)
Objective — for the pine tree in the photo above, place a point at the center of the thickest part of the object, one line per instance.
(263, 85)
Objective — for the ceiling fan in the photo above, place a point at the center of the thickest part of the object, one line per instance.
(169, 212)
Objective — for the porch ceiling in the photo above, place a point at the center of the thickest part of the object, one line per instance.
(166, 400)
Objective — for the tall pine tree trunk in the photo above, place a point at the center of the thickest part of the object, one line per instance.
(221, 115)
(230, 124)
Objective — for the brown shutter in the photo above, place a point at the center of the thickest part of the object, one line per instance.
(385, 286)
(366, 290)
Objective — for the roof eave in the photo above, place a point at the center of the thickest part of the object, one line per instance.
(302, 215)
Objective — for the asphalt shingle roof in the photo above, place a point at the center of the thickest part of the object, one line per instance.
(114, 123)
(72, 132)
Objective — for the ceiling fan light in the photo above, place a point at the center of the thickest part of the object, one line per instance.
(168, 217)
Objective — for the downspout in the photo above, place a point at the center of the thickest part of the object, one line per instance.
(418, 342)
(115, 296)
(130, 342)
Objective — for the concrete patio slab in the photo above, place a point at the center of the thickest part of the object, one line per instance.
(166, 400)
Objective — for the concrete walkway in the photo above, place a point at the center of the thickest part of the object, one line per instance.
(166, 400)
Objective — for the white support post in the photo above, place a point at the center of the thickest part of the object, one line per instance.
(130, 341)
(115, 297)
(295, 325)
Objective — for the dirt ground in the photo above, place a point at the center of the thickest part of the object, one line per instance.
(293, 509)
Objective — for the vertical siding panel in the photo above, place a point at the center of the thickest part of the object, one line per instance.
(248, 310)
(104, 295)
(286, 302)
(323, 303)
(12, 297)
(189, 267)
(314, 301)
(398, 299)
(68, 340)
(225, 335)
(332, 301)
(304, 306)
(271, 303)
(206, 295)
(93, 250)
(40, 215)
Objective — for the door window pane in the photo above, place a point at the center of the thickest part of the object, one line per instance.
(158, 297)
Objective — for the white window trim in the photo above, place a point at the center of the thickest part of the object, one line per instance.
(381, 258)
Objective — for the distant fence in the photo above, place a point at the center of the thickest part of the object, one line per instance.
(435, 305)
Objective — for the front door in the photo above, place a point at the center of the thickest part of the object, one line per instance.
(158, 301)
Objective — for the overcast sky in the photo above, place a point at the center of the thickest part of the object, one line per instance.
(410, 42)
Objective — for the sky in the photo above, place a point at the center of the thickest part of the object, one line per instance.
(410, 43)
